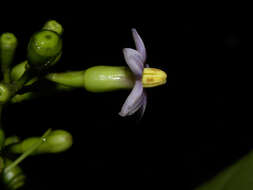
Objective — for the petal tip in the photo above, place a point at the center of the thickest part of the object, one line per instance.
(133, 30)
(122, 114)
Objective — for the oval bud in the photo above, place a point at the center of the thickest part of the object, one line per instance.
(53, 25)
(57, 141)
(11, 140)
(13, 178)
(8, 44)
(108, 78)
(4, 93)
(44, 47)
(23, 97)
(18, 70)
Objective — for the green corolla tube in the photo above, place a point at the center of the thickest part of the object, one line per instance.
(8, 44)
(107, 78)
(97, 78)
(57, 141)
(44, 48)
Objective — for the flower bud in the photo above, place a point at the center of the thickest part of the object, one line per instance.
(53, 25)
(18, 70)
(8, 44)
(57, 141)
(23, 97)
(13, 178)
(4, 93)
(11, 140)
(43, 49)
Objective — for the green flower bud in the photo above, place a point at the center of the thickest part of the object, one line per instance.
(57, 141)
(11, 140)
(4, 93)
(22, 97)
(18, 70)
(8, 44)
(13, 178)
(108, 78)
(53, 25)
(44, 47)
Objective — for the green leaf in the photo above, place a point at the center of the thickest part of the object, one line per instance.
(236, 177)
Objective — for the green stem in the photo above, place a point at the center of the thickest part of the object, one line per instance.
(29, 151)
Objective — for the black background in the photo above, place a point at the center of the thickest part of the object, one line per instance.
(194, 126)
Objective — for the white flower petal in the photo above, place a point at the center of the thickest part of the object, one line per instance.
(134, 61)
(139, 44)
(132, 100)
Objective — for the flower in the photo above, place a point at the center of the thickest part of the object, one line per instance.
(144, 77)
(105, 78)
(135, 59)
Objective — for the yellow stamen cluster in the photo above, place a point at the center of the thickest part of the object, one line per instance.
(153, 77)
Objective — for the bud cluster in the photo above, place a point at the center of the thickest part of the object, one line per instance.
(43, 51)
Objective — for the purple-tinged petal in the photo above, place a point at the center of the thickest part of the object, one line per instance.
(134, 61)
(138, 104)
(139, 44)
(144, 104)
(133, 98)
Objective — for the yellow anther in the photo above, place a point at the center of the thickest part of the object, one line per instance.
(153, 77)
